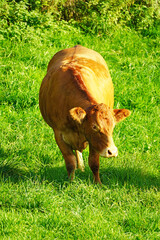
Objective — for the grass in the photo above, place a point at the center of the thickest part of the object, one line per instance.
(36, 199)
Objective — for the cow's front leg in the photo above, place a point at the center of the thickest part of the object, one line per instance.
(94, 164)
(69, 157)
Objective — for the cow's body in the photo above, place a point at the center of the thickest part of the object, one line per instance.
(76, 88)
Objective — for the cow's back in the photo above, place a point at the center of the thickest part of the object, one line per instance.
(75, 77)
(93, 69)
(67, 55)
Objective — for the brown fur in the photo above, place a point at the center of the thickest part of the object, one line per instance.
(76, 99)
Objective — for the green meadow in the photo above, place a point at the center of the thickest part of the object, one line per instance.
(37, 201)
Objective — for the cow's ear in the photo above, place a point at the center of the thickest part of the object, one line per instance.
(77, 114)
(121, 114)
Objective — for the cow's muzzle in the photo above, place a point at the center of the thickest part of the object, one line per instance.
(109, 152)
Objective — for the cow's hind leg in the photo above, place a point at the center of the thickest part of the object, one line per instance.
(69, 157)
(80, 163)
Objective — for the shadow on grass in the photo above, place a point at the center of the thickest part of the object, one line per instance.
(11, 172)
(111, 176)
(9, 168)
(128, 177)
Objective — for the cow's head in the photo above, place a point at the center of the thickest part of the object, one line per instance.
(98, 124)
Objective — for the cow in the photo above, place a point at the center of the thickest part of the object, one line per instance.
(76, 100)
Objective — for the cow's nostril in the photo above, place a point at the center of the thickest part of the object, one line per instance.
(109, 152)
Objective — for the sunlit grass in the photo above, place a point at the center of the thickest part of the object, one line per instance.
(36, 199)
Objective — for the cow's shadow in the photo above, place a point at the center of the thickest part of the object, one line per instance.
(110, 176)
(129, 177)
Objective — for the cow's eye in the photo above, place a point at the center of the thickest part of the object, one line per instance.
(95, 127)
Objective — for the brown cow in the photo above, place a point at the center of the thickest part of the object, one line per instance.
(76, 100)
